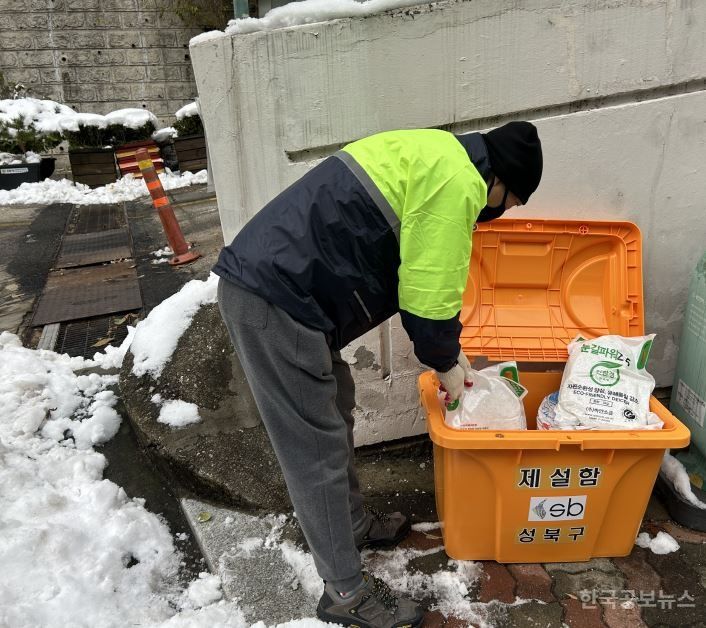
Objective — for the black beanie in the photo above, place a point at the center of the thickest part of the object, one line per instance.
(515, 154)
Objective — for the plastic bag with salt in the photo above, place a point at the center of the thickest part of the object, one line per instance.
(547, 420)
(605, 383)
(493, 402)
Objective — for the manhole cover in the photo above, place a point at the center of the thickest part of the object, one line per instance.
(82, 249)
(84, 292)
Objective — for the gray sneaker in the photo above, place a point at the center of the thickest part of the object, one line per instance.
(384, 530)
(372, 606)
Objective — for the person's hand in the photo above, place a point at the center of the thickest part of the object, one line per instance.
(466, 366)
(452, 382)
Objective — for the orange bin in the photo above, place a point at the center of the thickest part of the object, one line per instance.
(546, 496)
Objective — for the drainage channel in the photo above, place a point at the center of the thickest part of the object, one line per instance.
(92, 292)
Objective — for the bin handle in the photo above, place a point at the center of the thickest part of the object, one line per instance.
(629, 310)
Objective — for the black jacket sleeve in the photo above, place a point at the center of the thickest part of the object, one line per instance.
(436, 343)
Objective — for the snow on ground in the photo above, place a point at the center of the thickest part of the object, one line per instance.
(112, 357)
(178, 413)
(157, 336)
(127, 188)
(450, 587)
(675, 472)
(162, 255)
(426, 527)
(663, 543)
(75, 550)
(175, 412)
(306, 12)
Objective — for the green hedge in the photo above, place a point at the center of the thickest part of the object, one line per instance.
(190, 125)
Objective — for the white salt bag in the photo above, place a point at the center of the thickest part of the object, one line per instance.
(546, 419)
(493, 402)
(605, 384)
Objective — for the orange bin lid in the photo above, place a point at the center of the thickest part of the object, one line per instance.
(534, 285)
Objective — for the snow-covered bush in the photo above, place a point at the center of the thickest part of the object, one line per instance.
(29, 125)
(130, 125)
(188, 121)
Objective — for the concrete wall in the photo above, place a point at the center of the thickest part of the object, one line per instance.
(98, 55)
(616, 89)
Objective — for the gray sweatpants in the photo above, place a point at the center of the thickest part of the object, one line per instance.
(305, 394)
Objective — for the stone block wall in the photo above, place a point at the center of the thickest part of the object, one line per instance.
(98, 55)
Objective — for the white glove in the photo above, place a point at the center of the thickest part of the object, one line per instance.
(465, 365)
(452, 381)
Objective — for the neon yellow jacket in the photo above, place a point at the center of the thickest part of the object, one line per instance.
(383, 226)
(436, 193)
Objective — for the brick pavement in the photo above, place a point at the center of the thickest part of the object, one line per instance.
(639, 590)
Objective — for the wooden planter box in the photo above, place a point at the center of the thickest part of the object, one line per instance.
(191, 152)
(93, 166)
(14, 175)
(127, 160)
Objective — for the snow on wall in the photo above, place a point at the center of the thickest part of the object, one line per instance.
(616, 90)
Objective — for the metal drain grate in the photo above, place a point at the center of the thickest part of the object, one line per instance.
(86, 292)
(82, 249)
(92, 218)
(78, 337)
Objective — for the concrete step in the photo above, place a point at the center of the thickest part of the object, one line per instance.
(246, 552)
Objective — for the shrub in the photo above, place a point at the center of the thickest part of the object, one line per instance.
(18, 137)
(121, 134)
(189, 125)
(87, 136)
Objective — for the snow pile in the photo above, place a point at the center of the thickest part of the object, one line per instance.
(191, 109)
(112, 357)
(8, 159)
(43, 115)
(75, 542)
(75, 550)
(157, 336)
(165, 252)
(71, 122)
(64, 191)
(306, 12)
(162, 256)
(675, 472)
(39, 391)
(313, 11)
(164, 135)
(205, 590)
(82, 552)
(177, 413)
(663, 543)
(208, 36)
(131, 118)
